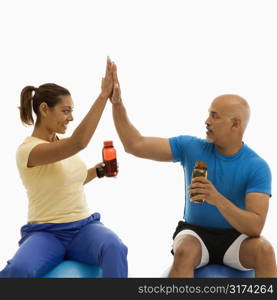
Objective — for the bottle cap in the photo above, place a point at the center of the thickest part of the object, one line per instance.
(200, 165)
(108, 143)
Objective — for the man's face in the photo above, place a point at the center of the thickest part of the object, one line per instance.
(218, 124)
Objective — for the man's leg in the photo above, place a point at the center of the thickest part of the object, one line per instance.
(187, 256)
(97, 245)
(38, 254)
(257, 253)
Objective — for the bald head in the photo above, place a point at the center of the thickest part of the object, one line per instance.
(234, 107)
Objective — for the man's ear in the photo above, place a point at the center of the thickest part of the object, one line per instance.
(236, 123)
(43, 109)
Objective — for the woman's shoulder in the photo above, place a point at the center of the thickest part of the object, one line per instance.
(29, 141)
(27, 145)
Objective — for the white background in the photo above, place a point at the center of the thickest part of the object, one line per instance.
(174, 57)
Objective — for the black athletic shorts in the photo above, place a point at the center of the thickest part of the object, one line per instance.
(217, 240)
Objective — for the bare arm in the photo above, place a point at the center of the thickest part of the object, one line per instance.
(249, 221)
(92, 173)
(51, 152)
(133, 142)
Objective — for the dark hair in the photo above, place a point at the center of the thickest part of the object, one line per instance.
(49, 93)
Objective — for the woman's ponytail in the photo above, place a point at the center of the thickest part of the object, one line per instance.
(26, 106)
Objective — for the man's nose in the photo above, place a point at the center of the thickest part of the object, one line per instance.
(208, 122)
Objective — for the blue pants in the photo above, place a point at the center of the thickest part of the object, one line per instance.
(43, 246)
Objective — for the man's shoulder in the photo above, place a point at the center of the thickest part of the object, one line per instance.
(188, 144)
(185, 139)
(254, 159)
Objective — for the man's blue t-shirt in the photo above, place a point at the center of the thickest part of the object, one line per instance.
(233, 177)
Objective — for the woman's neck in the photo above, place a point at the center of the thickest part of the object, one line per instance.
(44, 134)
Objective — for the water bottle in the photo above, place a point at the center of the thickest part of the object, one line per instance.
(200, 169)
(109, 159)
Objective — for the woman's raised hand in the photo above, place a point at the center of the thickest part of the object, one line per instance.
(107, 81)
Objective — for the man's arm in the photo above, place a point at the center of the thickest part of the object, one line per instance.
(249, 221)
(133, 142)
(136, 144)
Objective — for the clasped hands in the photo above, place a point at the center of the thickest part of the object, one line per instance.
(110, 85)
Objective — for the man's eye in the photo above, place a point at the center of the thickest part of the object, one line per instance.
(214, 116)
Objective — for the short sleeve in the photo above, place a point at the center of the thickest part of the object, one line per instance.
(260, 179)
(23, 151)
(179, 146)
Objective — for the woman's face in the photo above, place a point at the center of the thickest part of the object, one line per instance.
(60, 115)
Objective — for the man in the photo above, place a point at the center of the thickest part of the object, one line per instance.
(226, 228)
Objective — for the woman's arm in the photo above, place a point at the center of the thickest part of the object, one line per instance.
(55, 151)
(92, 172)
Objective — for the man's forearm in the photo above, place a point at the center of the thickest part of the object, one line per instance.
(128, 134)
(242, 220)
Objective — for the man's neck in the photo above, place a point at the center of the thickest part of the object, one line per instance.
(229, 150)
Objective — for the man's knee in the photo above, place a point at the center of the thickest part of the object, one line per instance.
(188, 250)
(264, 250)
(257, 251)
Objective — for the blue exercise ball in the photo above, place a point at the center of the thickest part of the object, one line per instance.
(74, 269)
(213, 271)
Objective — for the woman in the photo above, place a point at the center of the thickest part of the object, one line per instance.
(59, 223)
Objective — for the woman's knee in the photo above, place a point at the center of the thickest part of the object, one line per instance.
(18, 270)
(115, 245)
